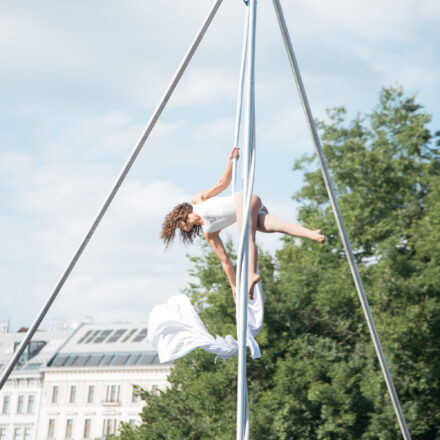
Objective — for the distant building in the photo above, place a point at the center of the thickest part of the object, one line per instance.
(86, 388)
(20, 397)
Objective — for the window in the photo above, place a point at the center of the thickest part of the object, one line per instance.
(51, 429)
(20, 405)
(70, 360)
(59, 361)
(87, 425)
(134, 359)
(85, 336)
(6, 403)
(130, 335)
(27, 434)
(24, 357)
(141, 335)
(30, 406)
(132, 422)
(135, 394)
(72, 394)
(116, 335)
(102, 336)
(2, 433)
(155, 390)
(121, 359)
(81, 360)
(148, 359)
(108, 359)
(92, 337)
(69, 426)
(55, 391)
(109, 427)
(35, 347)
(91, 395)
(17, 433)
(112, 393)
(94, 360)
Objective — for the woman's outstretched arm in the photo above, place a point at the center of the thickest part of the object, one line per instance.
(217, 244)
(222, 184)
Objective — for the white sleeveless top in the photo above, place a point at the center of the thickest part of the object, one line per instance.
(217, 213)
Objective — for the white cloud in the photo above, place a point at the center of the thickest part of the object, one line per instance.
(395, 69)
(429, 10)
(14, 167)
(79, 82)
(206, 87)
(59, 197)
(286, 131)
(124, 262)
(374, 20)
(221, 130)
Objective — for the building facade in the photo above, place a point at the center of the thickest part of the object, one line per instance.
(20, 398)
(87, 387)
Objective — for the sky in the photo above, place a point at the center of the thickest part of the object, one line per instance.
(80, 80)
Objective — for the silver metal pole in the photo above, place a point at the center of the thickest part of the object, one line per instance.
(240, 99)
(241, 266)
(249, 160)
(242, 282)
(248, 419)
(113, 192)
(346, 242)
(242, 336)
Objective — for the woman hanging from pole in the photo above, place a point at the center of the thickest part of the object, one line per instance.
(212, 214)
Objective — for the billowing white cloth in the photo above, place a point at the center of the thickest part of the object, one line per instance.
(175, 329)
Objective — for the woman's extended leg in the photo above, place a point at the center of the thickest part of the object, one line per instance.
(254, 278)
(271, 223)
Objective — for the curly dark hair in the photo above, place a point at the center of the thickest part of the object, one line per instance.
(170, 224)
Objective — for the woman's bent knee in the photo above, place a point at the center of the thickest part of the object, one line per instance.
(256, 201)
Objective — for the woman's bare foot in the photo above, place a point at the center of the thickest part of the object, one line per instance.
(318, 236)
(253, 281)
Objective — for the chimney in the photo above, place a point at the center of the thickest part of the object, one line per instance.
(58, 325)
(88, 320)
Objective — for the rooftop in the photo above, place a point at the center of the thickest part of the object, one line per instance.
(91, 345)
(107, 345)
(40, 350)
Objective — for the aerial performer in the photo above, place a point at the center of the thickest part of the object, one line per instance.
(211, 214)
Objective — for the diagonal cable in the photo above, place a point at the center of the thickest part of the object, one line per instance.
(184, 64)
(340, 221)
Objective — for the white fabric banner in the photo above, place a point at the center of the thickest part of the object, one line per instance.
(175, 329)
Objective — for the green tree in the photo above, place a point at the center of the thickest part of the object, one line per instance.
(318, 377)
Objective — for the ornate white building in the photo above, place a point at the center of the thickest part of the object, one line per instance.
(20, 398)
(87, 386)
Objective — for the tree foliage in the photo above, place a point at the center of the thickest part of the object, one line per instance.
(318, 377)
